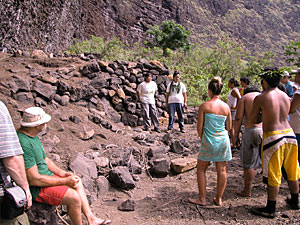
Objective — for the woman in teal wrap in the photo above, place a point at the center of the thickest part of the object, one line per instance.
(214, 122)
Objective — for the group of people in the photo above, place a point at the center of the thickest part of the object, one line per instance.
(271, 120)
(23, 159)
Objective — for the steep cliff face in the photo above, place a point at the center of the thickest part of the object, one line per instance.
(52, 25)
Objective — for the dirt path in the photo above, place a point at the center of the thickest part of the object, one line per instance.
(163, 200)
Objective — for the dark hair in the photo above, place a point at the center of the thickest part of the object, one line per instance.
(215, 85)
(246, 80)
(272, 76)
(281, 87)
(234, 82)
(148, 75)
(251, 88)
(176, 73)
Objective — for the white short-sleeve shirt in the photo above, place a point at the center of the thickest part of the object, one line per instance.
(147, 91)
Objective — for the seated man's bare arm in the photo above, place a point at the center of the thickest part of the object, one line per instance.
(55, 169)
(39, 180)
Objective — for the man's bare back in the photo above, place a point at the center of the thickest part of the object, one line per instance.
(275, 106)
(247, 100)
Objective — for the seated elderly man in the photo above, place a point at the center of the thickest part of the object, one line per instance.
(48, 183)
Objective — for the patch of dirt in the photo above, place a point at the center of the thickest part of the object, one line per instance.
(163, 200)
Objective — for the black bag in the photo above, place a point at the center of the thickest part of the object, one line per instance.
(14, 202)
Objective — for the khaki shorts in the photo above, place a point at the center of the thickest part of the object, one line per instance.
(22, 219)
(250, 151)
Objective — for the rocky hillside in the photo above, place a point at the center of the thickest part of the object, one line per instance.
(52, 25)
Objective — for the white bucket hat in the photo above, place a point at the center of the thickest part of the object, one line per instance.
(286, 73)
(34, 116)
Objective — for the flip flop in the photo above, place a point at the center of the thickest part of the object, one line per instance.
(105, 222)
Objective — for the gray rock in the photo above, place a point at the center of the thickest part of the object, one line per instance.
(121, 177)
(129, 119)
(154, 151)
(135, 167)
(86, 134)
(46, 90)
(103, 185)
(90, 68)
(109, 111)
(106, 124)
(23, 85)
(109, 70)
(128, 205)
(75, 119)
(101, 161)
(167, 139)
(88, 184)
(160, 167)
(176, 147)
(40, 102)
(64, 100)
(62, 87)
(25, 97)
(131, 107)
(99, 82)
(42, 214)
(84, 166)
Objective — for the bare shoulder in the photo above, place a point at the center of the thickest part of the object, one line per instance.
(260, 97)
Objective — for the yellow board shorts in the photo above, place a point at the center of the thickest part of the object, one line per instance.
(279, 148)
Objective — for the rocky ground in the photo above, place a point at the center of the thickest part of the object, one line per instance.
(157, 200)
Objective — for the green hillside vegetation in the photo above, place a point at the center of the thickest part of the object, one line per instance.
(228, 58)
(169, 44)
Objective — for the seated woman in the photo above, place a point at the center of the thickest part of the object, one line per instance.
(214, 122)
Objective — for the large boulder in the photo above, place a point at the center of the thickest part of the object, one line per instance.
(121, 177)
(84, 166)
(181, 165)
(44, 89)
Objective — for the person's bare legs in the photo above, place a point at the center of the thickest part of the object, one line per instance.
(248, 179)
(201, 180)
(73, 202)
(85, 207)
(221, 182)
(293, 186)
(272, 192)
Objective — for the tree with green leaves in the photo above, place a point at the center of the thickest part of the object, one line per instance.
(168, 35)
(292, 52)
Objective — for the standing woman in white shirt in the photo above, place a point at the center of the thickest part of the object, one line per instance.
(145, 93)
(232, 99)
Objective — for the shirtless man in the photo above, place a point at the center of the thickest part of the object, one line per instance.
(279, 145)
(251, 140)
